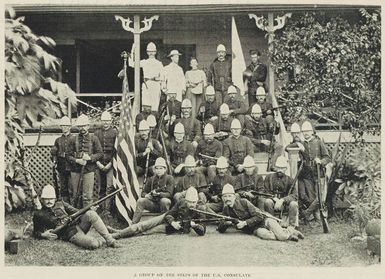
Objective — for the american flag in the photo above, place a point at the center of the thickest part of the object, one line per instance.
(124, 162)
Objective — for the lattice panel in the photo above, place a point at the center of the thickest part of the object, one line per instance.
(373, 149)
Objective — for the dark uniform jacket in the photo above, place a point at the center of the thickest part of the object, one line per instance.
(237, 105)
(211, 110)
(221, 125)
(245, 211)
(155, 182)
(81, 144)
(280, 187)
(143, 116)
(212, 149)
(219, 182)
(235, 150)
(255, 180)
(219, 74)
(180, 212)
(178, 151)
(141, 145)
(173, 108)
(314, 148)
(59, 151)
(195, 180)
(50, 218)
(192, 128)
(259, 71)
(107, 141)
(260, 130)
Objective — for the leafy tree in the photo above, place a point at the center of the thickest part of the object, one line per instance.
(328, 65)
(32, 95)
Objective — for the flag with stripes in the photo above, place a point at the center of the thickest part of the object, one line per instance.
(124, 162)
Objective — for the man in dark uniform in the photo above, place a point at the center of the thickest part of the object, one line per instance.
(209, 146)
(107, 136)
(251, 219)
(209, 108)
(146, 147)
(157, 193)
(178, 149)
(223, 177)
(172, 110)
(314, 153)
(191, 178)
(237, 147)
(62, 165)
(192, 126)
(222, 125)
(53, 213)
(255, 74)
(261, 133)
(146, 111)
(250, 180)
(84, 151)
(279, 184)
(236, 104)
(219, 74)
(176, 220)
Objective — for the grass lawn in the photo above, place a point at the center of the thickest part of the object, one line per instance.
(230, 249)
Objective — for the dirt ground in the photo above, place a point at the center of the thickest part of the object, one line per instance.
(230, 249)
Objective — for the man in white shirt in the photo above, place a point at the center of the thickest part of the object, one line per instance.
(153, 76)
(174, 79)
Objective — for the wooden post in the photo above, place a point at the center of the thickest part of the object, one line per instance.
(138, 97)
(293, 160)
(270, 28)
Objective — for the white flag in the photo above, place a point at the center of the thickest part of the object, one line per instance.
(238, 61)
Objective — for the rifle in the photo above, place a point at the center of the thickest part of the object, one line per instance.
(292, 186)
(155, 192)
(146, 170)
(56, 182)
(164, 146)
(325, 225)
(271, 147)
(74, 217)
(214, 158)
(200, 221)
(234, 220)
(255, 193)
(79, 193)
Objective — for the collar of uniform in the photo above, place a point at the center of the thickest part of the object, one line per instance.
(312, 137)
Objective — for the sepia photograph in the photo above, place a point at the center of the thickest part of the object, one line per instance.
(162, 134)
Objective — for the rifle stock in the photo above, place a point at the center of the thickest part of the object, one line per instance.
(78, 191)
(72, 218)
(325, 225)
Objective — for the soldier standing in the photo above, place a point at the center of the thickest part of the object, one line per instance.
(146, 112)
(107, 136)
(314, 153)
(219, 74)
(174, 79)
(266, 106)
(153, 75)
(171, 109)
(212, 147)
(157, 193)
(84, 151)
(255, 74)
(59, 151)
(279, 184)
(237, 147)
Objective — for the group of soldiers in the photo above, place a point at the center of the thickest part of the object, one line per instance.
(196, 157)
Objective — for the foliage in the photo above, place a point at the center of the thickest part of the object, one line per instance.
(326, 65)
(32, 95)
(360, 186)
